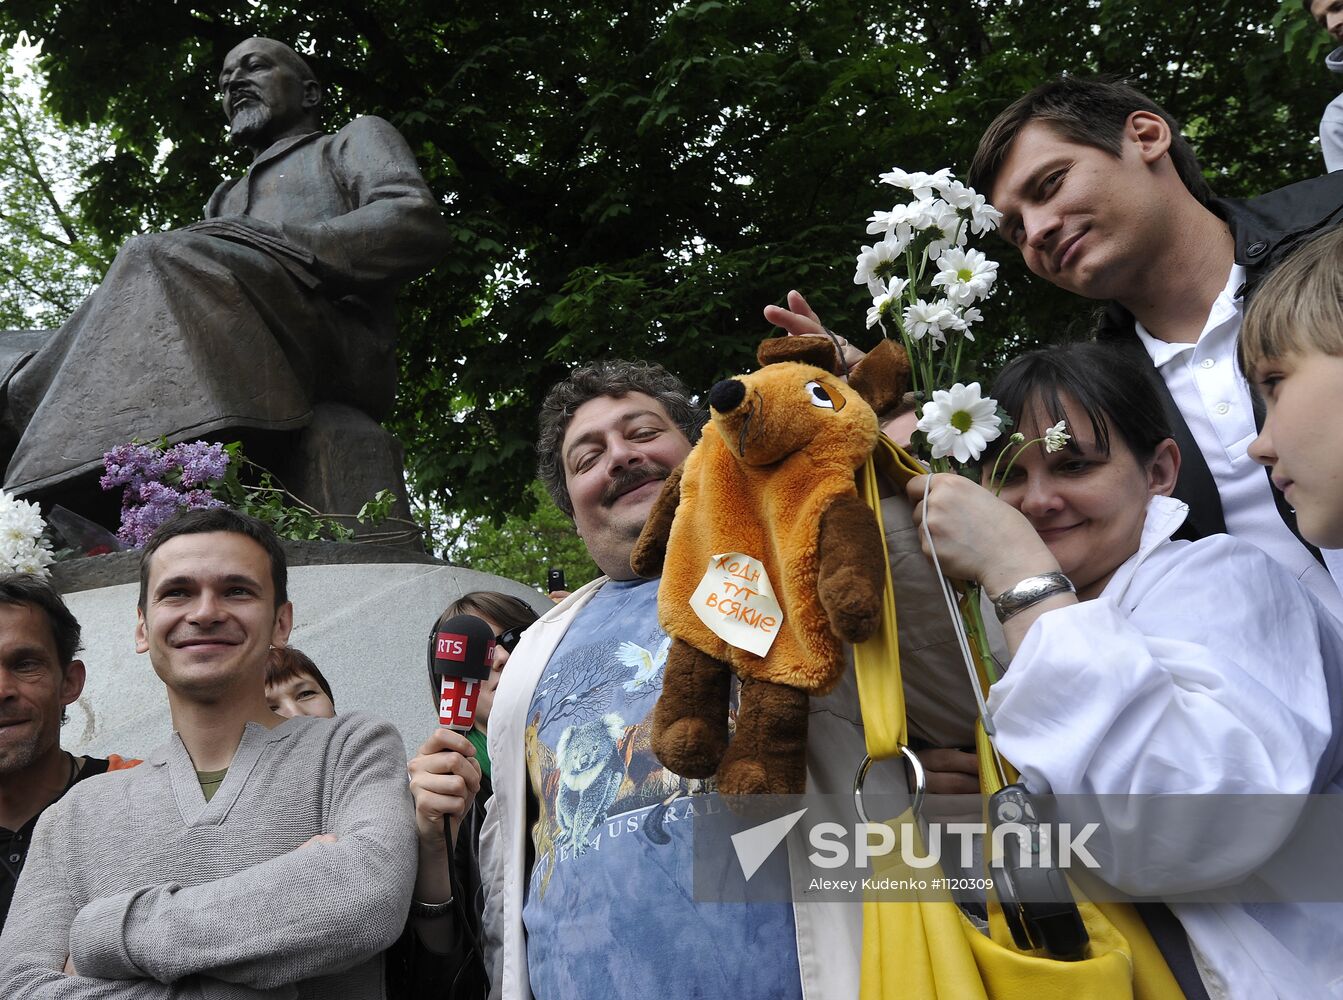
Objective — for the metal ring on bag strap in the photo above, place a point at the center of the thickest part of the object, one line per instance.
(920, 781)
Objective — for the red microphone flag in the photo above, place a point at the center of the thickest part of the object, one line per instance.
(459, 659)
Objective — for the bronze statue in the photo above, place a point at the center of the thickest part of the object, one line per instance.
(279, 301)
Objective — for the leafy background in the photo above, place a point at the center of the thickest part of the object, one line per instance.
(622, 179)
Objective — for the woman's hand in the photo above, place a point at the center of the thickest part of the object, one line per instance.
(444, 780)
(977, 537)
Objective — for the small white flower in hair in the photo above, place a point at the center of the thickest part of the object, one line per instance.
(1056, 437)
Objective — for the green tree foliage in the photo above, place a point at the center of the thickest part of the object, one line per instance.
(522, 546)
(640, 177)
(50, 256)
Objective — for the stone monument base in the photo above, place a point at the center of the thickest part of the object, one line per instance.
(340, 461)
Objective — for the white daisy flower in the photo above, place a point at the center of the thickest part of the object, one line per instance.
(23, 549)
(960, 422)
(877, 265)
(918, 183)
(984, 218)
(929, 319)
(880, 309)
(965, 275)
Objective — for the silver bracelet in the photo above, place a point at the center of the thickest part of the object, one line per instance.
(430, 910)
(1029, 591)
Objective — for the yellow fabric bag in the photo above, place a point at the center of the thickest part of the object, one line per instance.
(928, 949)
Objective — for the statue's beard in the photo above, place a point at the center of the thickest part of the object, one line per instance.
(250, 122)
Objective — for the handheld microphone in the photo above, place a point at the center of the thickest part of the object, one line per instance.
(460, 652)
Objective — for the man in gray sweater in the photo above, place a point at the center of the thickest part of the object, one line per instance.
(250, 856)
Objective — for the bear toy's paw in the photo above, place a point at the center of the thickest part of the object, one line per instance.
(853, 606)
(749, 776)
(742, 776)
(690, 747)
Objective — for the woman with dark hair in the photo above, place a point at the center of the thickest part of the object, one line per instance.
(450, 780)
(1146, 666)
(508, 617)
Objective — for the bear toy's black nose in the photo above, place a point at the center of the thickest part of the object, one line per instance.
(727, 395)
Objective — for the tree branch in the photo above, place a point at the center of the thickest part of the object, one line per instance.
(34, 290)
(35, 170)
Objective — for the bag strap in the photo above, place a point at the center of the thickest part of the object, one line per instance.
(876, 661)
(881, 692)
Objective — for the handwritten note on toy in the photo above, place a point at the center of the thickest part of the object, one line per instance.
(735, 600)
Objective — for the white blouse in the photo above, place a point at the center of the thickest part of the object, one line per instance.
(1202, 668)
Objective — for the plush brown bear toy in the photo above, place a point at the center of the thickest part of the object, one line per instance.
(772, 480)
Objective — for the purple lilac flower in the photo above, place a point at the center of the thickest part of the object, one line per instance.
(146, 500)
(199, 461)
(130, 464)
(202, 500)
(157, 504)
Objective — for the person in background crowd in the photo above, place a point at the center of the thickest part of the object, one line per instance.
(1292, 348)
(450, 783)
(249, 853)
(1104, 198)
(39, 676)
(1328, 14)
(509, 617)
(294, 685)
(1143, 666)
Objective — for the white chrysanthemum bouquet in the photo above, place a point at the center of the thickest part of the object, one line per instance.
(23, 547)
(926, 283)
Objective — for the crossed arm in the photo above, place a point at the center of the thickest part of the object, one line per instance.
(321, 909)
(36, 941)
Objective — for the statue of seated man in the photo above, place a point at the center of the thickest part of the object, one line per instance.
(280, 299)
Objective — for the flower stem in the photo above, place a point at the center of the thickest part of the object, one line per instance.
(997, 483)
(975, 621)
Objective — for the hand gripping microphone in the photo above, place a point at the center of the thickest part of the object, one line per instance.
(460, 652)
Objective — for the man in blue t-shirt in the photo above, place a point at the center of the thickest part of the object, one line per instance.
(586, 851)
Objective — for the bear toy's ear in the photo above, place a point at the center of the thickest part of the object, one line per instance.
(817, 351)
(882, 377)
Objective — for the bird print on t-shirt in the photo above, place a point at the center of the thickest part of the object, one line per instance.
(647, 666)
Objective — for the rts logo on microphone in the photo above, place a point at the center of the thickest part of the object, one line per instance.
(457, 702)
(450, 646)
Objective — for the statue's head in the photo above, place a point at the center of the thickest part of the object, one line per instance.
(268, 92)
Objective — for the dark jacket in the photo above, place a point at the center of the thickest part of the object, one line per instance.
(416, 973)
(1266, 230)
(14, 844)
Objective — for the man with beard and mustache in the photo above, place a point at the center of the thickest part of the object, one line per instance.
(250, 855)
(39, 677)
(586, 850)
(282, 298)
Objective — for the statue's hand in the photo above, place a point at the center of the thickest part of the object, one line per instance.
(264, 236)
(226, 223)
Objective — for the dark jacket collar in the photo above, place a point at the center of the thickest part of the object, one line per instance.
(1268, 228)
